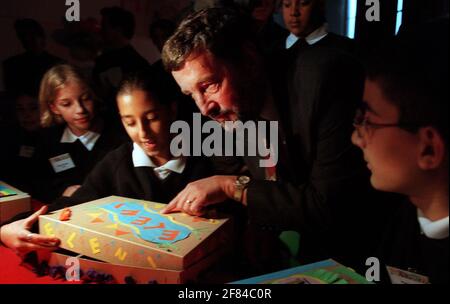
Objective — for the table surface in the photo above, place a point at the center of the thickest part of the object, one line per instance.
(12, 271)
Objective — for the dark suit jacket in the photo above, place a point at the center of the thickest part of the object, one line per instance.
(322, 189)
(404, 246)
(338, 42)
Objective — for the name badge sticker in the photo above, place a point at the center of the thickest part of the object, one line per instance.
(62, 163)
(26, 151)
(399, 276)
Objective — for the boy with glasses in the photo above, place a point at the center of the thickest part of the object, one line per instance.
(402, 130)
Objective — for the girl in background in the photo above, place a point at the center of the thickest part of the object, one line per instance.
(75, 138)
(142, 169)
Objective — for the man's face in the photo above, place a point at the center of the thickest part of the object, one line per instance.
(213, 85)
(300, 16)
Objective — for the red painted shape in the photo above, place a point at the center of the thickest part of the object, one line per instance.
(129, 212)
(169, 235)
(142, 220)
(65, 215)
(118, 206)
(120, 232)
(161, 225)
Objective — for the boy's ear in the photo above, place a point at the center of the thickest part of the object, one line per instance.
(432, 149)
(54, 109)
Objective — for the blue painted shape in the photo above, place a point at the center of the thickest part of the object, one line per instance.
(5, 191)
(146, 224)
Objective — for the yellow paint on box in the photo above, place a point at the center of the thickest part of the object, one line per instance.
(95, 215)
(159, 206)
(151, 262)
(70, 240)
(49, 229)
(113, 226)
(120, 254)
(95, 245)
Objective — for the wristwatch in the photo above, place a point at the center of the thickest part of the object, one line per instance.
(241, 184)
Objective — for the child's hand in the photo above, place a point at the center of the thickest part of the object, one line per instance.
(70, 190)
(17, 236)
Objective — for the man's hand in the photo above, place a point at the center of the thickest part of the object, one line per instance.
(199, 194)
(17, 236)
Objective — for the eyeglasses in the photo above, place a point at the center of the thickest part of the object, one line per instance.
(365, 129)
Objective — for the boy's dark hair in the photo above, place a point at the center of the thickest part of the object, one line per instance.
(162, 88)
(120, 19)
(221, 31)
(413, 74)
(28, 25)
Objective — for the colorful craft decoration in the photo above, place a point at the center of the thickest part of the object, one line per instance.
(65, 215)
(147, 224)
(325, 272)
(5, 191)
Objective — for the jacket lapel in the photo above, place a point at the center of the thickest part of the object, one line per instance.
(143, 176)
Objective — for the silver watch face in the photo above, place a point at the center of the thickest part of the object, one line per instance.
(243, 180)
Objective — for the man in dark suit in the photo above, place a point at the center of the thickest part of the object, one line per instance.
(319, 177)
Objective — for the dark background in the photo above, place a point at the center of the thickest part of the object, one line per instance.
(51, 14)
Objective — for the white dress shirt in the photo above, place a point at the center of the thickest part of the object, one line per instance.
(141, 159)
(311, 39)
(88, 139)
(437, 230)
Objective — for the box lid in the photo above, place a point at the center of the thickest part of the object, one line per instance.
(133, 232)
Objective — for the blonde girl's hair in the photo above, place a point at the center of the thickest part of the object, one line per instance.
(55, 79)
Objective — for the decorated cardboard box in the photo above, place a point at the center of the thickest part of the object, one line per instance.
(91, 269)
(12, 202)
(132, 232)
(325, 272)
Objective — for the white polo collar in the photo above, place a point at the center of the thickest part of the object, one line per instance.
(141, 159)
(88, 139)
(311, 39)
(437, 230)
